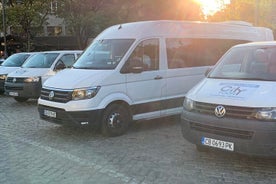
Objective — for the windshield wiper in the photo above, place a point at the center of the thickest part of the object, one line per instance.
(218, 77)
(244, 78)
(255, 78)
(83, 67)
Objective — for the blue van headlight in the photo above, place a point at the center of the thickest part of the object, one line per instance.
(188, 104)
(3, 76)
(81, 94)
(266, 114)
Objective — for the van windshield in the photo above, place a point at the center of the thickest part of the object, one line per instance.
(15, 60)
(41, 60)
(103, 54)
(247, 63)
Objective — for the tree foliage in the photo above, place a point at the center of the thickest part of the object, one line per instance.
(257, 12)
(26, 17)
(86, 18)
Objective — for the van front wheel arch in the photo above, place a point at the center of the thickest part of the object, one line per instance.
(115, 120)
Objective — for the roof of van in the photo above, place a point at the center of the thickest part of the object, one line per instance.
(263, 43)
(170, 28)
(62, 51)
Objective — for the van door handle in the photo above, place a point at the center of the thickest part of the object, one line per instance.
(158, 77)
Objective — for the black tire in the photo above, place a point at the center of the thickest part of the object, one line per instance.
(201, 148)
(115, 120)
(21, 99)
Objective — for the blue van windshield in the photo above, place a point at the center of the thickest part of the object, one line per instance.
(15, 60)
(247, 63)
(103, 54)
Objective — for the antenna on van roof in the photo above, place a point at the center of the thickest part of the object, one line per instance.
(120, 27)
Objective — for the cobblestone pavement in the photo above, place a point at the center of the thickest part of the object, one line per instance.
(35, 151)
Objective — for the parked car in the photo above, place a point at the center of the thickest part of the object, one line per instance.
(26, 82)
(12, 63)
(234, 107)
(138, 71)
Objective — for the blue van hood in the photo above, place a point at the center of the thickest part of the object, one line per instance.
(235, 92)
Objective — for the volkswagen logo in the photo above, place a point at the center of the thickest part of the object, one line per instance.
(220, 111)
(14, 80)
(51, 95)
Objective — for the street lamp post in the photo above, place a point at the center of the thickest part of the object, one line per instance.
(4, 28)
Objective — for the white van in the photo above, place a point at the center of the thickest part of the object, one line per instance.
(234, 107)
(12, 63)
(26, 82)
(139, 71)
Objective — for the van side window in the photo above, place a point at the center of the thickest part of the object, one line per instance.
(68, 60)
(192, 52)
(147, 52)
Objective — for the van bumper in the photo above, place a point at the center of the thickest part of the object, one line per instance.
(26, 90)
(250, 137)
(71, 118)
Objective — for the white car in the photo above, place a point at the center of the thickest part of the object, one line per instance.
(12, 63)
(27, 81)
(234, 107)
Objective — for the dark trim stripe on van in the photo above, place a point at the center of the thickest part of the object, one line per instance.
(157, 105)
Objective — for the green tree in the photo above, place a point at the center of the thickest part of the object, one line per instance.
(137, 10)
(258, 12)
(84, 18)
(87, 18)
(26, 17)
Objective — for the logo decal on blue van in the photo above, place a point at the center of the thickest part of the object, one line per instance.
(234, 90)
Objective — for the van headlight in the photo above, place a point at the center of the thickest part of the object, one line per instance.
(266, 114)
(188, 104)
(81, 94)
(3, 76)
(32, 79)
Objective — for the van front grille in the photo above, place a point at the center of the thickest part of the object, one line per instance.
(14, 88)
(56, 95)
(231, 111)
(15, 80)
(242, 134)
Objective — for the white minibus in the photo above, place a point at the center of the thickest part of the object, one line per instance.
(139, 71)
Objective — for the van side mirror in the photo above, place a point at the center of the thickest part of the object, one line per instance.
(60, 66)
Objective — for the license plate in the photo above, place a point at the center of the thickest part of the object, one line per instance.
(13, 93)
(217, 143)
(50, 113)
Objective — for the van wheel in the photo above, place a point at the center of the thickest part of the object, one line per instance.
(115, 120)
(21, 99)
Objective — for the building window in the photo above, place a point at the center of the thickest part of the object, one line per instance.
(54, 30)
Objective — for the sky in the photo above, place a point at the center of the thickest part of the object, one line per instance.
(209, 7)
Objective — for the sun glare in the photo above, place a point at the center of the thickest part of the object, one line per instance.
(209, 7)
